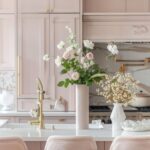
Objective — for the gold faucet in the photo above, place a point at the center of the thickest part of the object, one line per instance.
(40, 115)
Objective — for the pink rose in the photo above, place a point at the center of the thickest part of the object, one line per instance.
(90, 56)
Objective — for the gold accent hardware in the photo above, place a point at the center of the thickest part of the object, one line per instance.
(40, 115)
(18, 76)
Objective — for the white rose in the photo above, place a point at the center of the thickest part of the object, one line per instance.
(58, 61)
(88, 44)
(46, 57)
(69, 29)
(75, 76)
(90, 56)
(113, 49)
(61, 45)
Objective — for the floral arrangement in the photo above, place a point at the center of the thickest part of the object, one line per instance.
(77, 63)
(120, 88)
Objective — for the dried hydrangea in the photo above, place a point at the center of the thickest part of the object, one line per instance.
(120, 88)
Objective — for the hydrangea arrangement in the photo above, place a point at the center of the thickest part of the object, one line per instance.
(120, 88)
(77, 63)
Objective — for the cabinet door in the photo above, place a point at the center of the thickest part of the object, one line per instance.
(8, 6)
(33, 6)
(7, 42)
(58, 22)
(104, 6)
(33, 43)
(141, 5)
(65, 6)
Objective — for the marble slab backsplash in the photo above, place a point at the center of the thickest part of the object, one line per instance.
(8, 81)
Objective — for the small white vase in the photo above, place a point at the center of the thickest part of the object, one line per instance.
(82, 107)
(117, 116)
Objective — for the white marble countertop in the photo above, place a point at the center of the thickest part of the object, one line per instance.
(32, 133)
(26, 114)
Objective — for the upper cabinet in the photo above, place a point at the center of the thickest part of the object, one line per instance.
(65, 6)
(7, 42)
(33, 43)
(48, 6)
(34, 6)
(58, 22)
(116, 6)
(8, 6)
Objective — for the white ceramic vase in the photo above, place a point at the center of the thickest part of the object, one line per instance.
(82, 107)
(117, 116)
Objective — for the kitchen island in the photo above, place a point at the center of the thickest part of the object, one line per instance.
(35, 138)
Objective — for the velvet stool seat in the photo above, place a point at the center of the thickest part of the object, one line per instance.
(131, 143)
(12, 144)
(70, 143)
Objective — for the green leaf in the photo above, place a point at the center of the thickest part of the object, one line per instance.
(64, 71)
(98, 75)
(61, 83)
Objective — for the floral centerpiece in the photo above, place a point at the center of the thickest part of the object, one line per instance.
(118, 89)
(79, 68)
(77, 63)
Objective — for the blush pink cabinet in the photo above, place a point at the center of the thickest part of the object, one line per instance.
(111, 6)
(33, 43)
(8, 6)
(65, 6)
(58, 22)
(39, 34)
(49, 6)
(34, 6)
(7, 41)
(117, 27)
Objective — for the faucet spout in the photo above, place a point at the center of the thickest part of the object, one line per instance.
(40, 116)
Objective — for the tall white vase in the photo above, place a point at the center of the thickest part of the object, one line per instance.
(117, 116)
(82, 107)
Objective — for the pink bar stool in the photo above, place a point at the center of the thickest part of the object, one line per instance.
(131, 143)
(12, 144)
(70, 143)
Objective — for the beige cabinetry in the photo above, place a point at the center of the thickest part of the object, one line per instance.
(47, 6)
(65, 6)
(8, 6)
(115, 6)
(41, 27)
(33, 43)
(117, 27)
(7, 41)
(58, 22)
(34, 6)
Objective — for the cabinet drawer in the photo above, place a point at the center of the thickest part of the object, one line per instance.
(27, 104)
(65, 6)
(118, 28)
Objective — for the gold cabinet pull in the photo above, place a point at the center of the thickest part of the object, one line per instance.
(18, 76)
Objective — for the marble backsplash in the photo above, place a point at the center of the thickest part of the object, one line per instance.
(7, 81)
